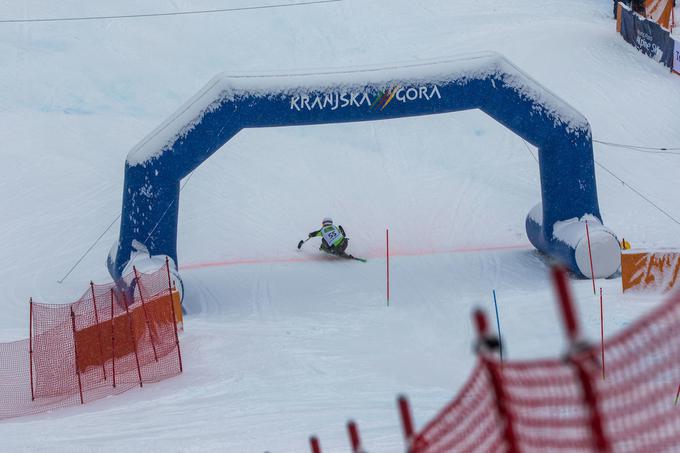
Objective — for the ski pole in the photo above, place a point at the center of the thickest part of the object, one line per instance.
(302, 242)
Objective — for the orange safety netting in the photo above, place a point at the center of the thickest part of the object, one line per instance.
(114, 338)
(572, 404)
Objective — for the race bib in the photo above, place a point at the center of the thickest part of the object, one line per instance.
(332, 235)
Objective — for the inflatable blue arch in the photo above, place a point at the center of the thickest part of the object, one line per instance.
(487, 82)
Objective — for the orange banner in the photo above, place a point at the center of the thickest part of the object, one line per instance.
(647, 270)
(108, 340)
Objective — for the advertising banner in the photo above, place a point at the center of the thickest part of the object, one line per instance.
(647, 36)
(676, 57)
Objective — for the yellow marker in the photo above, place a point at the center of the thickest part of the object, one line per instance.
(625, 245)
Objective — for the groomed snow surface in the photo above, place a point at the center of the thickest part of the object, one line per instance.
(280, 344)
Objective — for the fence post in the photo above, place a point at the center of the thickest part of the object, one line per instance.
(501, 404)
(146, 315)
(314, 444)
(487, 348)
(406, 421)
(113, 340)
(354, 439)
(99, 329)
(559, 276)
(75, 350)
(133, 338)
(30, 345)
(600, 440)
(174, 317)
(578, 360)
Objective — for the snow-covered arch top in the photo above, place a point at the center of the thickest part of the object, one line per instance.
(488, 82)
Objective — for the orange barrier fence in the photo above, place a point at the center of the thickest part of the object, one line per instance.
(114, 338)
(566, 404)
(650, 270)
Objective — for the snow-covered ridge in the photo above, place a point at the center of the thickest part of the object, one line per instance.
(571, 231)
(461, 69)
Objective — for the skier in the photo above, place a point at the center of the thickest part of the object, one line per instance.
(333, 238)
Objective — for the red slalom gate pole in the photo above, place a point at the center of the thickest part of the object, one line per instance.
(99, 329)
(602, 332)
(75, 350)
(387, 257)
(590, 255)
(30, 346)
(113, 341)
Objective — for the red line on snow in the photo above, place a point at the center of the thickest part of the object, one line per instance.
(491, 248)
(305, 259)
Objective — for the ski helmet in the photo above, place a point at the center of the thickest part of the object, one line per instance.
(327, 221)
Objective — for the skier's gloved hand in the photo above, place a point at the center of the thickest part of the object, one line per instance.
(311, 235)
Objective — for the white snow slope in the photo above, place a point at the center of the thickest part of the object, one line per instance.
(280, 344)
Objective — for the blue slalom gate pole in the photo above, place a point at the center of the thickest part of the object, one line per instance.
(498, 324)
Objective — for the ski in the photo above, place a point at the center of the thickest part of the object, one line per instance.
(347, 256)
(363, 260)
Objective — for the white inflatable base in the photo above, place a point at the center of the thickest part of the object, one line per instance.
(606, 254)
(148, 264)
